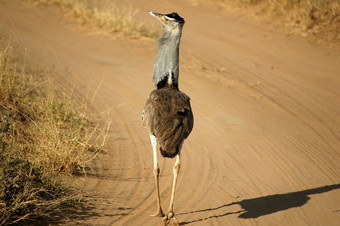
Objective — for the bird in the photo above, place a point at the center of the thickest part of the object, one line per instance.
(167, 114)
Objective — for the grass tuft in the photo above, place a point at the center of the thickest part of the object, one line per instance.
(108, 17)
(300, 17)
(42, 135)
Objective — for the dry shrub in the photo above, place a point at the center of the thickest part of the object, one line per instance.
(306, 17)
(108, 17)
(300, 17)
(26, 192)
(42, 136)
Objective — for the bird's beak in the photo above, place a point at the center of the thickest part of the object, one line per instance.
(160, 17)
(157, 15)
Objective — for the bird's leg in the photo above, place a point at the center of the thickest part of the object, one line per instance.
(156, 172)
(171, 213)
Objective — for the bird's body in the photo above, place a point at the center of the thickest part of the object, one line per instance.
(167, 114)
(168, 117)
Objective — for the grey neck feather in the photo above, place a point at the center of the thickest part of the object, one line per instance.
(167, 58)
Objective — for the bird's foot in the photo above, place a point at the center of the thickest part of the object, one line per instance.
(159, 213)
(170, 215)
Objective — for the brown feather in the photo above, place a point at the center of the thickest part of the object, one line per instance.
(168, 116)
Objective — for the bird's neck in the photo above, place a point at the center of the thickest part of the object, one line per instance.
(166, 66)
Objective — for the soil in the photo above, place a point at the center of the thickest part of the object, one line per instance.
(265, 148)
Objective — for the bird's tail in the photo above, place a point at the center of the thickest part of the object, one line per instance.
(168, 154)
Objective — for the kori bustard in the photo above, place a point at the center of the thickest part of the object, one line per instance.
(167, 113)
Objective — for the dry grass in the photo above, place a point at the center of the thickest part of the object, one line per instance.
(107, 18)
(42, 136)
(300, 17)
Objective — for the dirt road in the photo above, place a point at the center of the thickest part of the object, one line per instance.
(265, 149)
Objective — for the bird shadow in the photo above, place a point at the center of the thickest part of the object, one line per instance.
(257, 207)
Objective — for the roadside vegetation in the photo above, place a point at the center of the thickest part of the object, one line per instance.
(320, 18)
(104, 15)
(42, 136)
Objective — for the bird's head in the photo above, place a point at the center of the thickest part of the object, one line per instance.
(170, 22)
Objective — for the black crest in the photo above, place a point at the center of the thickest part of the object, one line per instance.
(175, 16)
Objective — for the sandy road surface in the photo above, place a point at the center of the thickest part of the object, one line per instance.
(265, 149)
